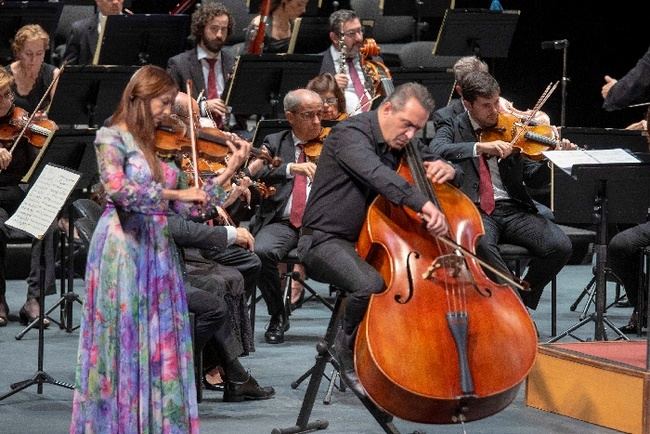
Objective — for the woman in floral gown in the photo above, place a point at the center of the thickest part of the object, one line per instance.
(135, 371)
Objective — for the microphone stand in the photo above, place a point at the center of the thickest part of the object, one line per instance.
(564, 82)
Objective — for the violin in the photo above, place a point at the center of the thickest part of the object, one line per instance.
(37, 132)
(314, 147)
(529, 140)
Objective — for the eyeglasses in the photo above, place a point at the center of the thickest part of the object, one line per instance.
(7, 96)
(305, 116)
(330, 101)
(352, 33)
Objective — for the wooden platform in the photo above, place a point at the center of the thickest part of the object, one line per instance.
(604, 383)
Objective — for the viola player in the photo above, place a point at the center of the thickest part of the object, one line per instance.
(495, 179)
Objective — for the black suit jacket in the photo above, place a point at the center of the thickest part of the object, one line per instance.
(454, 141)
(634, 87)
(82, 41)
(327, 65)
(448, 113)
(186, 66)
(279, 145)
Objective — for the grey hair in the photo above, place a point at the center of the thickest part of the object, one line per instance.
(467, 64)
(406, 91)
(295, 98)
(337, 18)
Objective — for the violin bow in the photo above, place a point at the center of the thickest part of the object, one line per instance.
(190, 111)
(38, 106)
(536, 108)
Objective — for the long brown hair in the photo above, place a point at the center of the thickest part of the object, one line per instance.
(134, 110)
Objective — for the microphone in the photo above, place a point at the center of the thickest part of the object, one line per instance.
(555, 45)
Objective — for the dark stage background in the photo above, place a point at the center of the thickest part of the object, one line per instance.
(601, 41)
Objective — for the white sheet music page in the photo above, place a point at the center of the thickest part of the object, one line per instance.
(565, 160)
(44, 200)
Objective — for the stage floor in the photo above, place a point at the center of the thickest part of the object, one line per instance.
(277, 365)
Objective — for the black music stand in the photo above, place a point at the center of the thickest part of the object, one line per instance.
(483, 33)
(15, 14)
(142, 39)
(72, 149)
(417, 9)
(259, 83)
(439, 81)
(314, 8)
(41, 377)
(310, 35)
(88, 94)
(591, 202)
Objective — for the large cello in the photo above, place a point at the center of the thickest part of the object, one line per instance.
(443, 343)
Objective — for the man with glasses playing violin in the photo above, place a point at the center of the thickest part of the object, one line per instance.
(277, 221)
(343, 61)
(494, 180)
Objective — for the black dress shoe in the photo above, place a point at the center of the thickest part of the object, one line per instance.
(299, 302)
(29, 312)
(633, 324)
(342, 353)
(219, 387)
(4, 313)
(275, 332)
(248, 390)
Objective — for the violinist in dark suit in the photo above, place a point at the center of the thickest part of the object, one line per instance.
(82, 41)
(278, 219)
(207, 65)
(495, 179)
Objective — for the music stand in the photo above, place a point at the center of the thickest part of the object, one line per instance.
(310, 35)
(591, 203)
(15, 14)
(439, 81)
(417, 9)
(314, 8)
(71, 149)
(52, 193)
(259, 83)
(87, 95)
(483, 33)
(141, 39)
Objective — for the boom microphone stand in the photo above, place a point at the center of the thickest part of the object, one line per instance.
(561, 44)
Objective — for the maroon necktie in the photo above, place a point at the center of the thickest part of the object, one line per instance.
(358, 86)
(485, 189)
(299, 197)
(213, 92)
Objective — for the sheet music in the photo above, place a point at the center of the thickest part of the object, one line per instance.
(565, 160)
(44, 200)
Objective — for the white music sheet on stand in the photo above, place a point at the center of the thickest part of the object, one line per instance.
(565, 160)
(44, 200)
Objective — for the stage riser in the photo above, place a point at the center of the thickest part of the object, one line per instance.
(595, 390)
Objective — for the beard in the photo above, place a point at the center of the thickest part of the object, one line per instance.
(214, 45)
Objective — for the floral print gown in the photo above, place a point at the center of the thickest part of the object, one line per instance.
(135, 372)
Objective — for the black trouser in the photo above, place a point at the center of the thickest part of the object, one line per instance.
(623, 255)
(550, 247)
(272, 243)
(244, 261)
(336, 262)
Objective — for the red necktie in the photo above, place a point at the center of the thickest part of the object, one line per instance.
(485, 189)
(213, 92)
(299, 195)
(358, 86)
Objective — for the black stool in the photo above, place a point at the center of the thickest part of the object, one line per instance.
(291, 260)
(198, 360)
(644, 287)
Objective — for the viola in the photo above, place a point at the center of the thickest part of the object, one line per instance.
(531, 140)
(378, 72)
(37, 132)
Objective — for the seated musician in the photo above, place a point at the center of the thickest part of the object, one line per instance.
(332, 96)
(279, 24)
(342, 60)
(494, 179)
(23, 84)
(358, 162)
(84, 34)
(212, 23)
(277, 221)
(623, 255)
